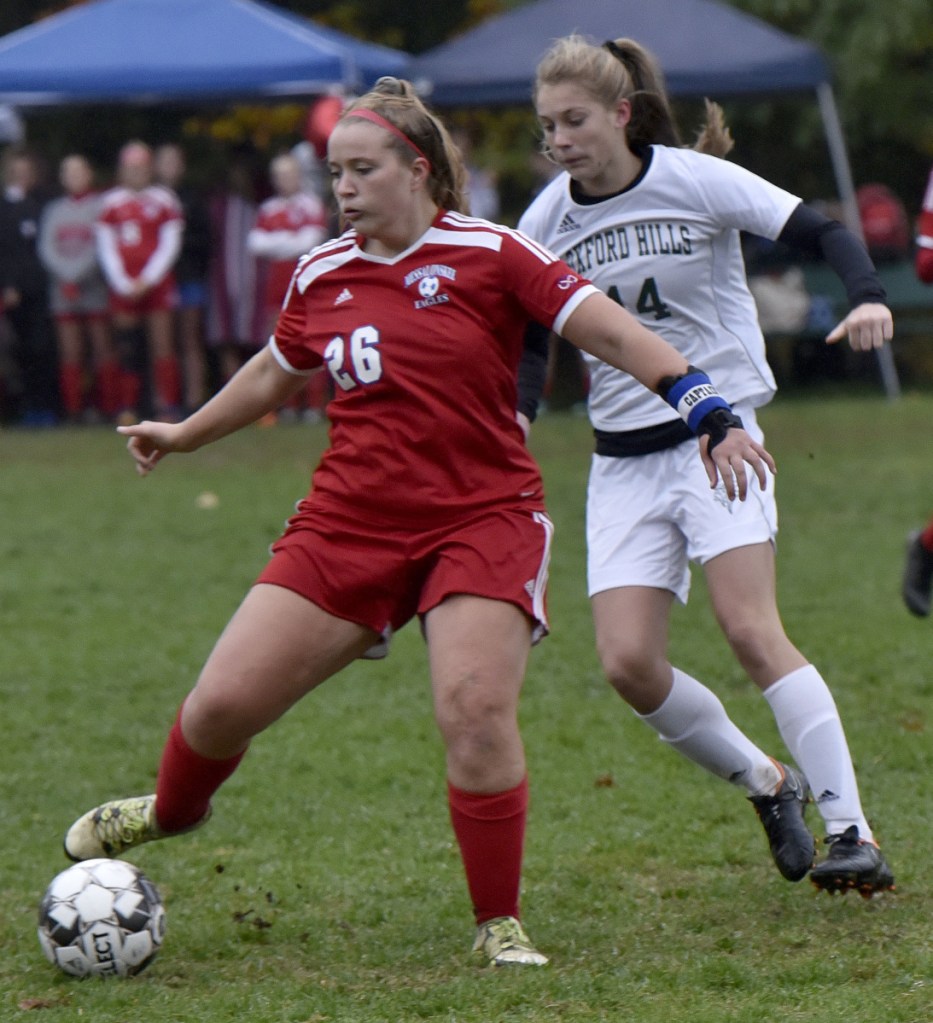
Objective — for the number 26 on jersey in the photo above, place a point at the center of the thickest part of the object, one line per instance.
(358, 362)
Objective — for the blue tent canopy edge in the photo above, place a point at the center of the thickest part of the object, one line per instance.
(156, 50)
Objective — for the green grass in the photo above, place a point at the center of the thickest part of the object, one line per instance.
(327, 886)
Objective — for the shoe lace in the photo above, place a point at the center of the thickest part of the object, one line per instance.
(508, 934)
(124, 823)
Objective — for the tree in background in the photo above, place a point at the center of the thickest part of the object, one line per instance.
(882, 61)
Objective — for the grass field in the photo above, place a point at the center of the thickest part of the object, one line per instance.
(327, 887)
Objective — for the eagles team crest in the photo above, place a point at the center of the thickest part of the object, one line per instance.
(429, 281)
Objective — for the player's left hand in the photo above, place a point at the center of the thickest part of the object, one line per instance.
(728, 461)
(868, 326)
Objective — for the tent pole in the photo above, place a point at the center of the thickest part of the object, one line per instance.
(844, 182)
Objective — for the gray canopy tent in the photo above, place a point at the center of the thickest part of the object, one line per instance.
(705, 48)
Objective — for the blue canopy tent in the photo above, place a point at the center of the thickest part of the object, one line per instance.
(705, 48)
(147, 51)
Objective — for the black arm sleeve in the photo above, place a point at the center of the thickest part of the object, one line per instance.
(811, 232)
(532, 370)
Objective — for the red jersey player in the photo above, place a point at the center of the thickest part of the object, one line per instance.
(139, 237)
(427, 503)
(917, 584)
(924, 258)
(288, 225)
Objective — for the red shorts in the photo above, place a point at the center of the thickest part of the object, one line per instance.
(382, 578)
(163, 296)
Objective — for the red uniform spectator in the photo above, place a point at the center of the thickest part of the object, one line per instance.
(139, 239)
(288, 225)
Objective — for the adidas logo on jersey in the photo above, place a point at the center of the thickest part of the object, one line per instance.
(567, 224)
(344, 296)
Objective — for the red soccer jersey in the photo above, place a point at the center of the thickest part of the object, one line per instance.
(924, 257)
(136, 220)
(423, 350)
(286, 228)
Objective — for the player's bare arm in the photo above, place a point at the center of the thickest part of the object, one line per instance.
(260, 386)
(607, 330)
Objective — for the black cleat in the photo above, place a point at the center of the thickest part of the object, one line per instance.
(917, 584)
(793, 848)
(853, 863)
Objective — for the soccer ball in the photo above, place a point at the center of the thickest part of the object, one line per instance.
(101, 918)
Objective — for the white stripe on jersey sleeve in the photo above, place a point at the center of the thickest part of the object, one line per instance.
(571, 304)
(285, 364)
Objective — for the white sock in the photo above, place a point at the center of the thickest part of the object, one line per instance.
(809, 723)
(693, 720)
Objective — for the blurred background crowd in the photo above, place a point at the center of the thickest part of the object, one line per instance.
(144, 251)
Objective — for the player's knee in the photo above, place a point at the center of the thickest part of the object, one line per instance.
(635, 674)
(476, 726)
(761, 647)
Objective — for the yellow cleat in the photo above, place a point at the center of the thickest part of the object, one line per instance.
(503, 942)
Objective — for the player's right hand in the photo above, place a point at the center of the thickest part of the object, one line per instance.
(149, 442)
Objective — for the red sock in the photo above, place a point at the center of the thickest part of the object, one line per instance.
(926, 537)
(167, 382)
(490, 830)
(71, 387)
(108, 388)
(187, 781)
(130, 387)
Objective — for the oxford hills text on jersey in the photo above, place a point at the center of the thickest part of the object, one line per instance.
(623, 242)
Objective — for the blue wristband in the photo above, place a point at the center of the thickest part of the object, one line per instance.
(694, 397)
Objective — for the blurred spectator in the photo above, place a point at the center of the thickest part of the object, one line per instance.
(924, 257)
(234, 315)
(24, 290)
(191, 271)
(311, 153)
(884, 223)
(288, 225)
(139, 237)
(78, 295)
(12, 128)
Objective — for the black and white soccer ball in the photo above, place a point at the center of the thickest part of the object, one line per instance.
(101, 918)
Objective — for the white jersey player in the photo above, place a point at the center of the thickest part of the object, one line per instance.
(657, 228)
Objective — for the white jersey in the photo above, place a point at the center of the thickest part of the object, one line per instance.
(668, 248)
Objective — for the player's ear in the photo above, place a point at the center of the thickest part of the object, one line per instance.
(622, 113)
(421, 171)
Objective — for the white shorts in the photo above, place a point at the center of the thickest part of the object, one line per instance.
(649, 516)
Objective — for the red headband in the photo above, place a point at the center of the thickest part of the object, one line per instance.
(371, 115)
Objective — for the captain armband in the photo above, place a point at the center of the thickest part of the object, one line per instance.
(699, 404)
